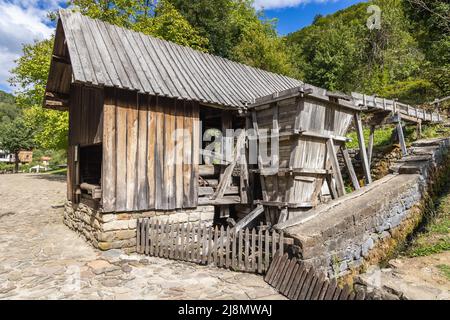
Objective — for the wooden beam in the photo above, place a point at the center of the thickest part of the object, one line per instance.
(208, 170)
(292, 205)
(331, 151)
(350, 168)
(401, 136)
(241, 224)
(60, 59)
(260, 162)
(419, 130)
(370, 147)
(283, 215)
(362, 147)
(290, 171)
(226, 177)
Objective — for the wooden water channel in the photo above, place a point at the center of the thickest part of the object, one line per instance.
(297, 281)
(248, 250)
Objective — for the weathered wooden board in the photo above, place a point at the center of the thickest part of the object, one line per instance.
(293, 135)
(149, 164)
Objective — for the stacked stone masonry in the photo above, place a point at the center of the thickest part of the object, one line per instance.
(107, 231)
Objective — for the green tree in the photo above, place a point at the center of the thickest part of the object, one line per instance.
(16, 136)
(8, 109)
(430, 26)
(29, 78)
(156, 18)
(168, 24)
(239, 32)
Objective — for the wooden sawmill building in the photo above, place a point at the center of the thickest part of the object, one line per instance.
(127, 93)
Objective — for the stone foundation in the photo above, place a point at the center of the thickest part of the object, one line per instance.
(107, 231)
(363, 227)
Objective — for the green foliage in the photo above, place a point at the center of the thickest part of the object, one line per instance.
(382, 137)
(169, 24)
(29, 78)
(430, 25)
(156, 18)
(237, 31)
(339, 52)
(436, 236)
(212, 18)
(8, 109)
(445, 269)
(15, 136)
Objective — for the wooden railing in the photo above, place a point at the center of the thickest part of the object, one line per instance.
(244, 250)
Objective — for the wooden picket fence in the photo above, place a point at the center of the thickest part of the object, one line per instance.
(296, 281)
(245, 250)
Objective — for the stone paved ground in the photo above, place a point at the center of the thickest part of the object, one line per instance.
(40, 258)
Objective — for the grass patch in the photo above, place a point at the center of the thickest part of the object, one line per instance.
(445, 269)
(435, 238)
(382, 137)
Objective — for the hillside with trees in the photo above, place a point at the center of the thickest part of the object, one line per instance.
(407, 58)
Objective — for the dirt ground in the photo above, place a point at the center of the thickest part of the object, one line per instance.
(40, 258)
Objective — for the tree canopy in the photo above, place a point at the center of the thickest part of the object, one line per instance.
(15, 136)
(407, 58)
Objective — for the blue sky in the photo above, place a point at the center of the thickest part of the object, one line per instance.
(301, 13)
(23, 21)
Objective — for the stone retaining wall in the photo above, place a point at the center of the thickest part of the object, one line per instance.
(342, 235)
(107, 231)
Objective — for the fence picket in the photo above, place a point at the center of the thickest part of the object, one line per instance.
(216, 245)
(267, 251)
(138, 236)
(227, 251)
(210, 245)
(254, 250)
(147, 236)
(239, 251)
(260, 250)
(233, 250)
(247, 250)
(221, 246)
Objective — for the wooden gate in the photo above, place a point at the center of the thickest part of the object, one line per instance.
(249, 250)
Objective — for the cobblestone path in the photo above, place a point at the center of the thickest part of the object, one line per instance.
(40, 258)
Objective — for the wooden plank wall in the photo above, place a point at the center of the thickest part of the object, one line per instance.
(85, 116)
(301, 151)
(85, 127)
(146, 166)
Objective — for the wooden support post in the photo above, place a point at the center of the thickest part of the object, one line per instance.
(370, 147)
(401, 136)
(260, 163)
(350, 168)
(332, 157)
(283, 215)
(419, 129)
(362, 148)
(226, 145)
(227, 175)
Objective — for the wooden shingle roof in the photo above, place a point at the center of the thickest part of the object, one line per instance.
(105, 55)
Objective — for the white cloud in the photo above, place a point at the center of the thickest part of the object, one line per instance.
(21, 22)
(277, 4)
